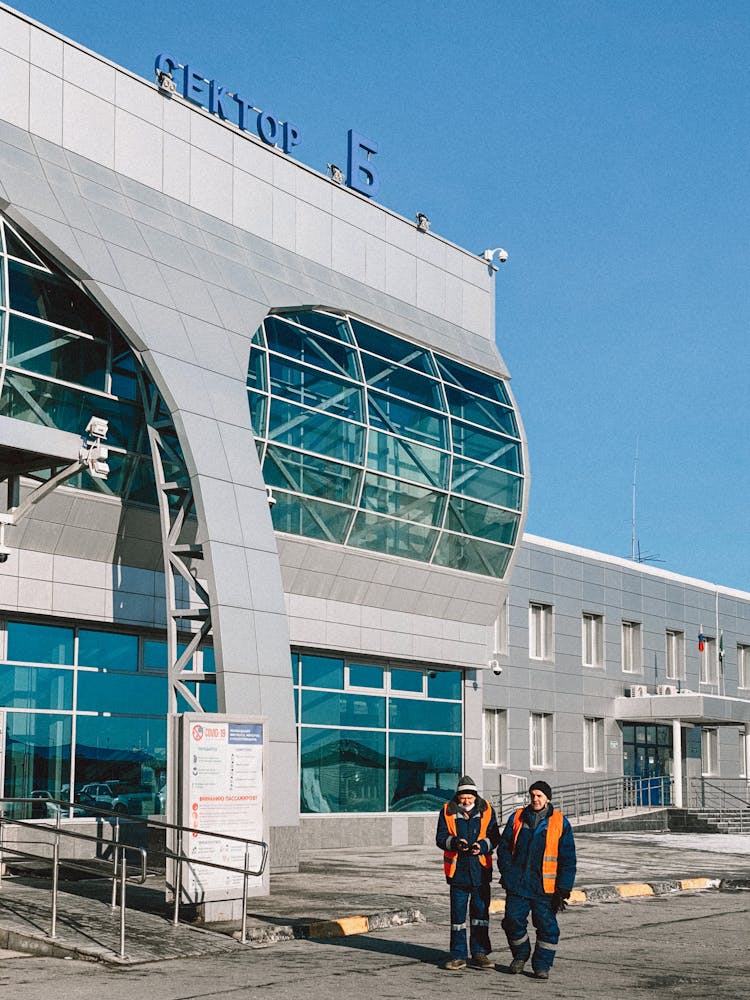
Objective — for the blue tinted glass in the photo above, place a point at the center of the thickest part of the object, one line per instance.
(311, 518)
(485, 483)
(256, 372)
(311, 348)
(332, 326)
(330, 708)
(342, 771)
(444, 684)
(407, 460)
(366, 676)
(52, 352)
(128, 756)
(155, 654)
(473, 442)
(407, 680)
(493, 416)
(295, 668)
(402, 382)
(472, 556)
(318, 477)
(206, 695)
(413, 503)
(310, 387)
(322, 672)
(407, 420)
(370, 338)
(258, 413)
(36, 687)
(54, 298)
(489, 523)
(209, 660)
(434, 716)
(37, 755)
(310, 430)
(398, 538)
(424, 771)
(107, 649)
(40, 643)
(102, 691)
(469, 378)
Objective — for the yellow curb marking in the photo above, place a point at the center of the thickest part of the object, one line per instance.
(354, 925)
(577, 896)
(694, 883)
(634, 889)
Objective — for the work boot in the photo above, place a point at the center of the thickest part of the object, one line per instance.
(516, 966)
(541, 974)
(482, 961)
(455, 964)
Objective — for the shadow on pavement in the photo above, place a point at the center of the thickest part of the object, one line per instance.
(366, 942)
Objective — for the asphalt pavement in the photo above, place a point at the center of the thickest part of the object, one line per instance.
(348, 892)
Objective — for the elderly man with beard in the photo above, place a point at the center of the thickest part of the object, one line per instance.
(467, 833)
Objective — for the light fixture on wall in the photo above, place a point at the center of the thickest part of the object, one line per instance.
(270, 497)
(337, 174)
(95, 453)
(423, 223)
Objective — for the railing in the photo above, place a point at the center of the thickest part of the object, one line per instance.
(607, 799)
(119, 854)
(727, 797)
(119, 820)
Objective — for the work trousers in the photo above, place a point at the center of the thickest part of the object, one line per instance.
(477, 898)
(515, 923)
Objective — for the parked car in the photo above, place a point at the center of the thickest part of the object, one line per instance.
(120, 797)
(46, 804)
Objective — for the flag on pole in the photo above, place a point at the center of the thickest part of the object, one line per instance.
(721, 646)
(701, 641)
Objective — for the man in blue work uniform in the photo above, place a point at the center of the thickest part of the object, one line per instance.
(537, 862)
(467, 833)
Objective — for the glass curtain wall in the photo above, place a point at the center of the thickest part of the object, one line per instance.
(372, 441)
(86, 715)
(375, 737)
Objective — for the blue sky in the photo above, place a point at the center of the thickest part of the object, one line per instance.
(604, 144)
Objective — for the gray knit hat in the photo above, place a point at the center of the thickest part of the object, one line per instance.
(466, 786)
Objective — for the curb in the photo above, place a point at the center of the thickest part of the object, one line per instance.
(636, 890)
(341, 927)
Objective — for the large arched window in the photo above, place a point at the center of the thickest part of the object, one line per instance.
(375, 442)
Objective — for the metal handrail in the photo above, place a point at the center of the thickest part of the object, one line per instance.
(177, 856)
(119, 857)
(698, 787)
(611, 796)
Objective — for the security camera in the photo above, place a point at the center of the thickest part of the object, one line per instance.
(4, 553)
(497, 667)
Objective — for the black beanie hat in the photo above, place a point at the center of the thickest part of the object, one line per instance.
(466, 786)
(541, 786)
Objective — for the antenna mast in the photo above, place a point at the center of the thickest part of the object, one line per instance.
(632, 518)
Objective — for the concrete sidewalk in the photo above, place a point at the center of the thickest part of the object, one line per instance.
(351, 891)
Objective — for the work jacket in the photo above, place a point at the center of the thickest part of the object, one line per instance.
(536, 862)
(480, 826)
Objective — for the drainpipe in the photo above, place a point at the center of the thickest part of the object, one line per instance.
(677, 762)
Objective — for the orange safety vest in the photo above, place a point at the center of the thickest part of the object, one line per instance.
(450, 858)
(549, 862)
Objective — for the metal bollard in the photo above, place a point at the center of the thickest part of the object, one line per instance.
(244, 894)
(123, 879)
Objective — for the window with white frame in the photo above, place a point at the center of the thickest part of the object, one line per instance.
(495, 737)
(744, 738)
(501, 628)
(675, 655)
(632, 650)
(709, 663)
(593, 640)
(593, 744)
(540, 631)
(540, 736)
(709, 751)
(743, 665)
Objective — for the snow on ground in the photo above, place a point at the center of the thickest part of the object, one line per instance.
(712, 843)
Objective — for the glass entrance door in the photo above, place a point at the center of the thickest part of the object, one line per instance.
(647, 754)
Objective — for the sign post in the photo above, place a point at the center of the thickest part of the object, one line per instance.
(222, 773)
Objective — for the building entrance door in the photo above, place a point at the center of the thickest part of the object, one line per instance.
(647, 754)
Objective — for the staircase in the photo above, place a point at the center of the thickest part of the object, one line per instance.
(719, 805)
(720, 820)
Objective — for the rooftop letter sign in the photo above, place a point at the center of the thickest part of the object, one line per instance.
(173, 77)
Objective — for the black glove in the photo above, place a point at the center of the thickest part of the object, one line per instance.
(463, 846)
(559, 897)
